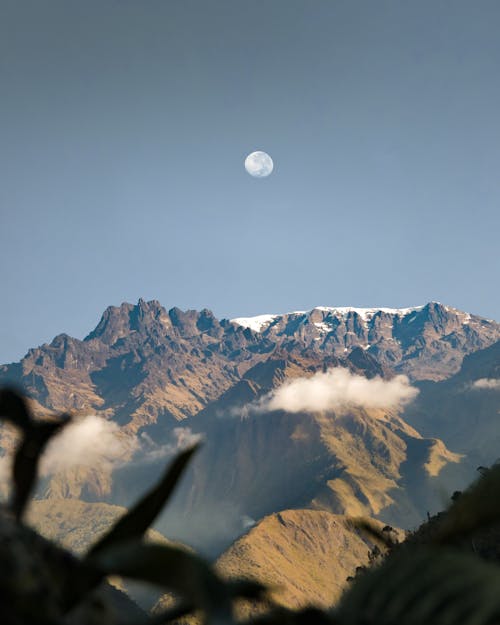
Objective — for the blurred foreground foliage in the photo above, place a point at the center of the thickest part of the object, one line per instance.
(430, 581)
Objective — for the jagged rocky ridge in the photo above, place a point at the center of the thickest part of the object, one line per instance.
(425, 342)
(143, 365)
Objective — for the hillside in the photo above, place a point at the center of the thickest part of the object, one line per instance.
(366, 462)
(463, 410)
(304, 556)
(76, 525)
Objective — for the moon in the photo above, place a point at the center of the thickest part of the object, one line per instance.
(259, 164)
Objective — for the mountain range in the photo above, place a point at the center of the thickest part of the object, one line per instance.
(325, 413)
(143, 364)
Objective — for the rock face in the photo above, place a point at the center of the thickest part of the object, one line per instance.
(144, 366)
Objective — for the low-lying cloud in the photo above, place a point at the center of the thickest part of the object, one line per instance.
(95, 442)
(338, 390)
(181, 439)
(491, 384)
(91, 441)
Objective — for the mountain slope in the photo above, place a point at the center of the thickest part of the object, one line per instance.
(140, 365)
(304, 555)
(465, 409)
(360, 461)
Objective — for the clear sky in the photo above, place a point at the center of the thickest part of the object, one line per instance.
(124, 125)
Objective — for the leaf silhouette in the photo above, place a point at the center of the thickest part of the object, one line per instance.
(34, 439)
(169, 615)
(172, 568)
(13, 408)
(138, 519)
(372, 531)
(431, 585)
(26, 461)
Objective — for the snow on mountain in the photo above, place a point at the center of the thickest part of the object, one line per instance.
(257, 324)
(260, 322)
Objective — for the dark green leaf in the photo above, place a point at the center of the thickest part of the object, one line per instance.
(284, 616)
(435, 586)
(172, 614)
(136, 522)
(35, 436)
(174, 569)
(246, 589)
(13, 408)
(372, 531)
(27, 457)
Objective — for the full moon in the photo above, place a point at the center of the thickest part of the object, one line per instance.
(259, 164)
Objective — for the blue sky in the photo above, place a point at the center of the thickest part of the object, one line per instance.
(124, 126)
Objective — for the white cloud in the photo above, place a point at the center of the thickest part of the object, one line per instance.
(91, 441)
(182, 438)
(97, 443)
(491, 384)
(338, 390)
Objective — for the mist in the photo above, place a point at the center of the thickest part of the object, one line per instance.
(91, 441)
(181, 439)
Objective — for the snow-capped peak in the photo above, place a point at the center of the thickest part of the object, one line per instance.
(367, 313)
(260, 322)
(257, 324)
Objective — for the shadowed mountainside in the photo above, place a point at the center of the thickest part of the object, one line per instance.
(464, 410)
(365, 462)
